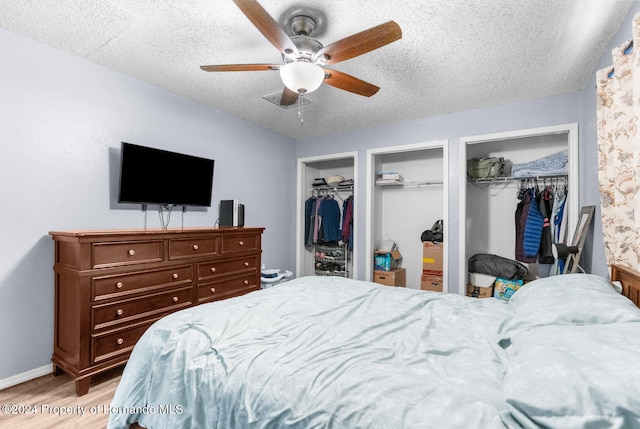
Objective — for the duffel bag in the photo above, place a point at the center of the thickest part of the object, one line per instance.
(485, 168)
(498, 266)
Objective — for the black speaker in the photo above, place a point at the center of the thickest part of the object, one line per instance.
(231, 213)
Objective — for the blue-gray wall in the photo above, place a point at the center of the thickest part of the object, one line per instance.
(61, 123)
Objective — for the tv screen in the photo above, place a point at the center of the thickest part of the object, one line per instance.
(155, 176)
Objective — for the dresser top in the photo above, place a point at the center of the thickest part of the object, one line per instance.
(153, 231)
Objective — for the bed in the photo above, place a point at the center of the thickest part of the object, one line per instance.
(327, 352)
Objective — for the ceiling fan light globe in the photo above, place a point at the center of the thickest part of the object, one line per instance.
(301, 76)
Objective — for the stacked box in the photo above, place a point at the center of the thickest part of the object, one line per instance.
(432, 258)
(432, 266)
(386, 261)
(395, 277)
(479, 292)
(432, 283)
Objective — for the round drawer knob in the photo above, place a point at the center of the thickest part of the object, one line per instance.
(213, 269)
(120, 312)
(119, 285)
(195, 247)
(120, 341)
(246, 282)
(213, 290)
(175, 299)
(246, 264)
(175, 275)
(241, 243)
(131, 252)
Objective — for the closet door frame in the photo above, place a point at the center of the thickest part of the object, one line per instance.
(302, 191)
(370, 221)
(571, 130)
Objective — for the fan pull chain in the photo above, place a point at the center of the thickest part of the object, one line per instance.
(300, 113)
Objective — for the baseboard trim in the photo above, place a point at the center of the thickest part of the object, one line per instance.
(26, 376)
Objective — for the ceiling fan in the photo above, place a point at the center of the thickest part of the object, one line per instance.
(304, 57)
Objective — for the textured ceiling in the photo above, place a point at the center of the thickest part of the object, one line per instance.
(454, 55)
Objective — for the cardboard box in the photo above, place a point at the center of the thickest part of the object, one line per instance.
(479, 292)
(386, 261)
(432, 258)
(395, 277)
(432, 283)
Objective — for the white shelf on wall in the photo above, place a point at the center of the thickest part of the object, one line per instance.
(410, 184)
(389, 182)
(331, 188)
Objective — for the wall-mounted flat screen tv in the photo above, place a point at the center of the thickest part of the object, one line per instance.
(154, 176)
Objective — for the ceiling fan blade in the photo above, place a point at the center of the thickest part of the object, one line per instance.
(267, 26)
(349, 83)
(240, 67)
(289, 97)
(361, 43)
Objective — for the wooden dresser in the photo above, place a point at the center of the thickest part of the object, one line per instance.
(111, 285)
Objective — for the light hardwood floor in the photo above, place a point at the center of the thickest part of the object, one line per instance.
(53, 403)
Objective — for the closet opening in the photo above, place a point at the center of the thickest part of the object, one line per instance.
(326, 186)
(490, 206)
(400, 211)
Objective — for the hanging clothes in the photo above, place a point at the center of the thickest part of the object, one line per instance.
(316, 220)
(309, 220)
(545, 201)
(329, 212)
(530, 226)
(559, 229)
(559, 215)
(540, 222)
(347, 222)
(522, 211)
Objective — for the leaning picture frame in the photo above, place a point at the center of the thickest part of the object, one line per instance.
(579, 237)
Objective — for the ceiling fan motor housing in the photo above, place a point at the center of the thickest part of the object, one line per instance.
(307, 48)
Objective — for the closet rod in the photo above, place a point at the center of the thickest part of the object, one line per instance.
(419, 183)
(331, 188)
(517, 179)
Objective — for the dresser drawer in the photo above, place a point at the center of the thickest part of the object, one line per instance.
(116, 343)
(228, 288)
(233, 266)
(239, 243)
(118, 286)
(125, 253)
(191, 247)
(130, 310)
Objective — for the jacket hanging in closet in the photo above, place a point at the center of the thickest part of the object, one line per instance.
(540, 222)
(522, 212)
(545, 203)
(533, 222)
(329, 217)
(347, 222)
(309, 220)
(559, 226)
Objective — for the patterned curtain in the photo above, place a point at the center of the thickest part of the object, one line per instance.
(618, 110)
